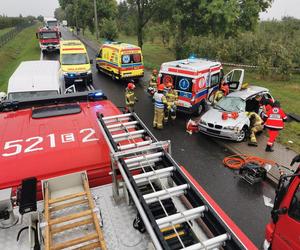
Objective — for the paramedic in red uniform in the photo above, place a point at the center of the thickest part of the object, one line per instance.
(274, 123)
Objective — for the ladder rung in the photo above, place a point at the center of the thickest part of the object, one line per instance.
(69, 204)
(128, 135)
(134, 145)
(115, 116)
(165, 194)
(55, 230)
(138, 165)
(180, 217)
(93, 245)
(160, 173)
(67, 197)
(210, 243)
(70, 217)
(74, 242)
(145, 157)
(122, 125)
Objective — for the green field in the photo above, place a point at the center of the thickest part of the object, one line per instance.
(21, 48)
(3, 31)
(287, 92)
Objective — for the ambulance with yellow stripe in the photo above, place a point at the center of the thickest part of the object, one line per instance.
(120, 61)
(75, 63)
(196, 81)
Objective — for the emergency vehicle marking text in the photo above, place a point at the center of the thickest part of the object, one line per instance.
(16, 147)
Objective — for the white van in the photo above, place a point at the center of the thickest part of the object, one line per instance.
(35, 79)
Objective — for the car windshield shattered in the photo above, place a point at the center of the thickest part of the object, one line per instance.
(231, 104)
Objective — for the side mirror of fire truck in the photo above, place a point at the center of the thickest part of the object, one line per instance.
(59, 34)
(2, 96)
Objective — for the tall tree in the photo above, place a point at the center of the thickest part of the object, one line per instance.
(145, 9)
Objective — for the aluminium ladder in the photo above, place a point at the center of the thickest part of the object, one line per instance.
(167, 201)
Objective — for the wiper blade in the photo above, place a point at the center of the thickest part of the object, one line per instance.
(218, 106)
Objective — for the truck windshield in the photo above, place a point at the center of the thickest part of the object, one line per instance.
(31, 94)
(74, 59)
(132, 58)
(51, 23)
(48, 35)
(231, 104)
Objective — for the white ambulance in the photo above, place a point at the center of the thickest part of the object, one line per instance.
(196, 81)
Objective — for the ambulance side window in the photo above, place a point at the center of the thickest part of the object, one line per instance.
(294, 209)
(214, 79)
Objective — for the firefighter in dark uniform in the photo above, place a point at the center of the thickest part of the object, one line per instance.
(160, 102)
(256, 125)
(274, 123)
(172, 98)
(130, 98)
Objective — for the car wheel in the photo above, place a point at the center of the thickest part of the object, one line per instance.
(242, 135)
(200, 109)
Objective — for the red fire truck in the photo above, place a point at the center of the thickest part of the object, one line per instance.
(84, 159)
(49, 39)
(283, 232)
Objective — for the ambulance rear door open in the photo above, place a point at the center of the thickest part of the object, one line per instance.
(235, 79)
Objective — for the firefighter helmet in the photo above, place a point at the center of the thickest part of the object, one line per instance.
(130, 86)
(161, 87)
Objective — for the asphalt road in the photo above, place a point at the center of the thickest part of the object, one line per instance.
(201, 156)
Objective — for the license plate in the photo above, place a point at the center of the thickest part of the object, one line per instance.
(213, 131)
(78, 80)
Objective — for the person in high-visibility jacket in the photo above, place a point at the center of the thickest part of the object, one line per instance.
(172, 98)
(274, 123)
(223, 91)
(153, 79)
(130, 98)
(160, 102)
(256, 125)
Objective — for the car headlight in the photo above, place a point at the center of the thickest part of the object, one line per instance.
(229, 127)
(65, 73)
(202, 122)
(89, 72)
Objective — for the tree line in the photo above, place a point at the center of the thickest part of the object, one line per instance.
(226, 30)
(7, 22)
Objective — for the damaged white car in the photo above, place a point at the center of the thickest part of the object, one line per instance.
(227, 119)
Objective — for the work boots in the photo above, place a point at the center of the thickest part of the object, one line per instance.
(269, 149)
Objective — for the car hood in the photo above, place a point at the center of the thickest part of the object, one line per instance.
(214, 116)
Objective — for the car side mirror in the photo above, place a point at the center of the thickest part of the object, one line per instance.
(91, 61)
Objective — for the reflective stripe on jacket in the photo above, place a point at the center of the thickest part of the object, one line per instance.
(159, 100)
(275, 117)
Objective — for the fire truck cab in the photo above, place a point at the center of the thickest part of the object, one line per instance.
(196, 81)
(283, 231)
(49, 39)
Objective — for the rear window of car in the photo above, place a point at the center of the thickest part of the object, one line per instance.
(180, 83)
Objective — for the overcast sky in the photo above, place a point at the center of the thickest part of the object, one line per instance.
(279, 9)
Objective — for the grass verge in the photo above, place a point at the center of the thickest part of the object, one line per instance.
(21, 48)
(4, 31)
(286, 92)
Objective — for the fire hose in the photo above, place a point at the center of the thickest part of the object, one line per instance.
(237, 161)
